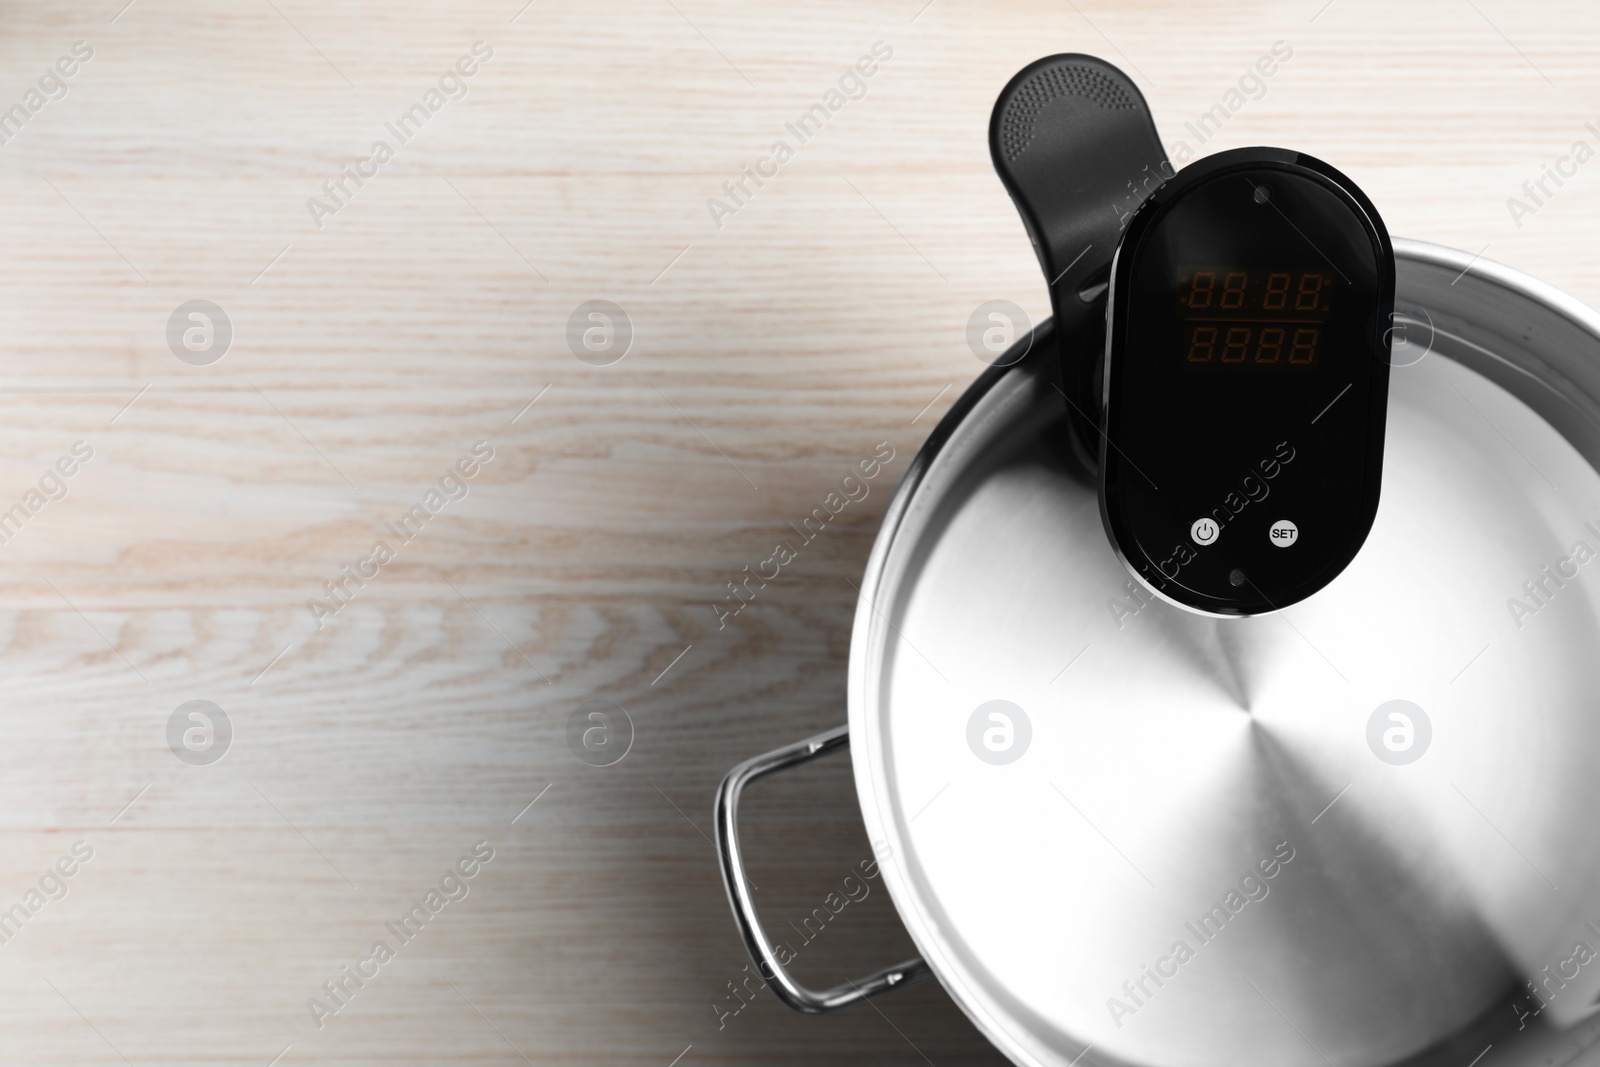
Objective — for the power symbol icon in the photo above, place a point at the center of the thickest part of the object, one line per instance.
(1204, 531)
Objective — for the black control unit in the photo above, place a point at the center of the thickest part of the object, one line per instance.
(1246, 381)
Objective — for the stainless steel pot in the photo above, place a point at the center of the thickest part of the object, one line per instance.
(1360, 831)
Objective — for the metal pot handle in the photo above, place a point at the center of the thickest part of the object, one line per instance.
(737, 884)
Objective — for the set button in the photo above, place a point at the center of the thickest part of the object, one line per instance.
(1284, 533)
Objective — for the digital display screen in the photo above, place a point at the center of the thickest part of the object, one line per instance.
(1257, 318)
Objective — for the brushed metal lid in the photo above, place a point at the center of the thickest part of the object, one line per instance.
(1359, 831)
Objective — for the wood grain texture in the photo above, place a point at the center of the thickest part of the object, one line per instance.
(771, 353)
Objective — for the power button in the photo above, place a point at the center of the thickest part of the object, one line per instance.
(1204, 531)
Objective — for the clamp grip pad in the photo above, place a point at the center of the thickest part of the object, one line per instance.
(1074, 144)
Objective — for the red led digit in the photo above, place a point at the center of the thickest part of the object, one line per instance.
(1305, 298)
(1277, 295)
(1238, 341)
(1271, 345)
(1233, 290)
(1305, 345)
